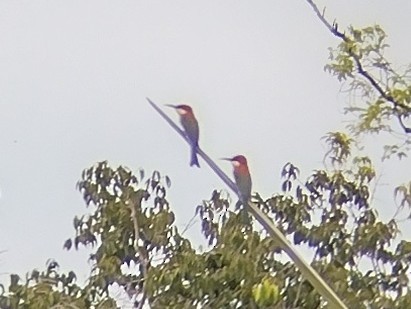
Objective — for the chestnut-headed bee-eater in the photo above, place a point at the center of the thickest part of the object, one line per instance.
(190, 126)
(242, 177)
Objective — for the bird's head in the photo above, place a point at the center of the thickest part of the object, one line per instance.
(182, 109)
(237, 161)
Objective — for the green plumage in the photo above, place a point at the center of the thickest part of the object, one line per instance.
(243, 180)
(190, 126)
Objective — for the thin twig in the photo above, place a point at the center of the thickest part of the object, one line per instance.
(189, 224)
(60, 306)
(333, 28)
(300, 285)
(142, 253)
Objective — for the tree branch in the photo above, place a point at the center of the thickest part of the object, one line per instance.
(333, 28)
(306, 270)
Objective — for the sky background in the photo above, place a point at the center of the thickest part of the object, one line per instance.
(73, 80)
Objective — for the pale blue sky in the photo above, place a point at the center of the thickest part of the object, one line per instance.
(73, 80)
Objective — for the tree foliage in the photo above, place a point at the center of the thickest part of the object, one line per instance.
(137, 246)
(384, 90)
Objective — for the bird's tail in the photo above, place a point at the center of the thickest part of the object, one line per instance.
(194, 158)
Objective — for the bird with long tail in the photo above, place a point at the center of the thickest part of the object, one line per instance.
(190, 126)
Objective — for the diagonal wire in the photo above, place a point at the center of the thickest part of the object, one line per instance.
(307, 271)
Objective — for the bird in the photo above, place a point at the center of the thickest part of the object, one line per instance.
(242, 178)
(190, 126)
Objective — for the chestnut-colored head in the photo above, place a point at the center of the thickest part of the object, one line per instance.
(182, 109)
(238, 161)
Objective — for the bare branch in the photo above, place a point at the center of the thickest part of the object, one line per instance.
(201, 153)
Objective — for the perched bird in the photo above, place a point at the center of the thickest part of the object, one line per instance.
(242, 177)
(190, 126)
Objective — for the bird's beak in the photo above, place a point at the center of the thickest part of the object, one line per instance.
(171, 105)
(226, 159)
